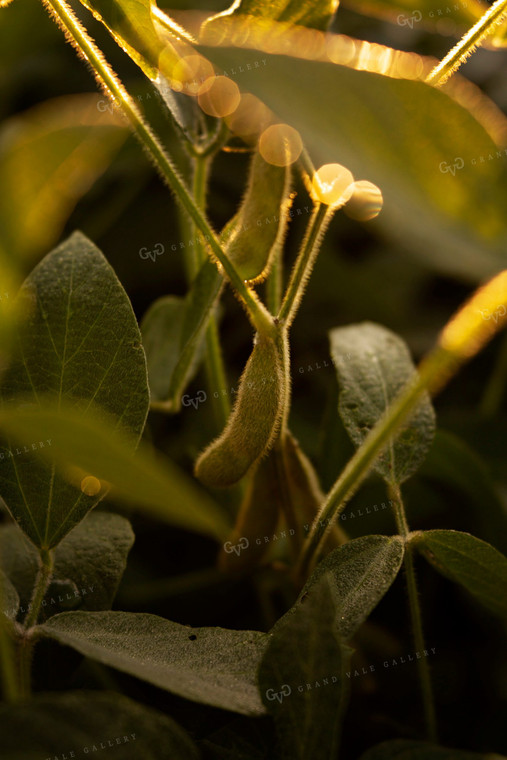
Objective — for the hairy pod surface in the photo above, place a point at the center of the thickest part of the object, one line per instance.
(261, 222)
(253, 423)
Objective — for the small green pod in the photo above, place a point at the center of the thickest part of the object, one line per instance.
(253, 423)
(261, 222)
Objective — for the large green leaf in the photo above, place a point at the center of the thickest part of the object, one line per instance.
(80, 342)
(373, 365)
(88, 564)
(405, 749)
(50, 156)
(444, 189)
(306, 650)
(467, 560)
(310, 13)
(359, 572)
(214, 666)
(87, 443)
(90, 723)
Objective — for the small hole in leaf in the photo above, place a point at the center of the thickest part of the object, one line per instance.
(192, 637)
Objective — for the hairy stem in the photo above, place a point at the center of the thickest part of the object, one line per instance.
(304, 264)
(40, 588)
(467, 44)
(415, 615)
(106, 77)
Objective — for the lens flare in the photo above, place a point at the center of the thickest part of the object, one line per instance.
(333, 185)
(280, 145)
(219, 96)
(366, 202)
(90, 485)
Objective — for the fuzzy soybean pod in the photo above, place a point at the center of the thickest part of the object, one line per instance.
(254, 421)
(261, 222)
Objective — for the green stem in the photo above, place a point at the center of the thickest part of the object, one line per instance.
(466, 46)
(274, 283)
(76, 33)
(304, 264)
(215, 369)
(494, 392)
(433, 372)
(41, 585)
(415, 615)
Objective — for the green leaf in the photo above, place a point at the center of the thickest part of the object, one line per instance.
(310, 13)
(88, 564)
(173, 332)
(88, 443)
(88, 723)
(388, 130)
(467, 560)
(373, 365)
(8, 596)
(359, 574)
(50, 156)
(80, 342)
(404, 749)
(305, 649)
(309, 644)
(214, 666)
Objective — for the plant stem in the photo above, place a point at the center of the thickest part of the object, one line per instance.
(466, 46)
(274, 283)
(415, 614)
(304, 264)
(40, 588)
(215, 369)
(76, 33)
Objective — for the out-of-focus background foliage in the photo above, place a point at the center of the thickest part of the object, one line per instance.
(67, 162)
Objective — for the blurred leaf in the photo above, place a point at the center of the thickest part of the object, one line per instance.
(50, 724)
(311, 13)
(91, 559)
(444, 189)
(447, 18)
(9, 597)
(404, 749)
(50, 156)
(373, 366)
(453, 464)
(213, 666)
(306, 648)
(86, 442)
(80, 342)
(173, 332)
(467, 560)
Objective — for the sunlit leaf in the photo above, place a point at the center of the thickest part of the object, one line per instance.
(86, 443)
(444, 189)
(214, 666)
(80, 342)
(50, 156)
(373, 365)
(312, 13)
(467, 560)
